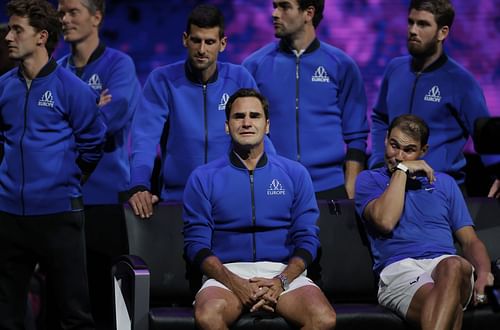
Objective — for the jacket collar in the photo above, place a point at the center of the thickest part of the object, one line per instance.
(195, 75)
(285, 47)
(94, 56)
(45, 71)
(236, 161)
(434, 66)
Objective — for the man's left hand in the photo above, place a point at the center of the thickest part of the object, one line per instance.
(271, 290)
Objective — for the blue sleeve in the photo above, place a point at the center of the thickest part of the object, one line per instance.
(380, 124)
(147, 128)
(125, 91)
(198, 222)
(366, 190)
(472, 105)
(352, 101)
(304, 213)
(88, 128)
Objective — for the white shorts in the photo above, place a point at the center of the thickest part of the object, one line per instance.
(400, 281)
(264, 269)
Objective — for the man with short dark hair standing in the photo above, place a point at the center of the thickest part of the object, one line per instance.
(317, 99)
(52, 134)
(182, 109)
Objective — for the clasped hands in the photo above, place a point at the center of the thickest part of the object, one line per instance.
(260, 293)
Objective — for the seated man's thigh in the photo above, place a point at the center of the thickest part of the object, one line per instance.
(306, 305)
(400, 281)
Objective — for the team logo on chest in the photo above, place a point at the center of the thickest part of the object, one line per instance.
(95, 82)
(276, 188)
(433, 95)
(47, 100)
(320, 75)
(223, 101)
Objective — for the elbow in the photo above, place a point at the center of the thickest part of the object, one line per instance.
(385, 225)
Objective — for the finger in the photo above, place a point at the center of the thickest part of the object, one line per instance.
(258, 305)
(134, 206)
(155, 199)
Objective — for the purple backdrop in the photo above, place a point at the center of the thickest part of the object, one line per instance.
(371, 31)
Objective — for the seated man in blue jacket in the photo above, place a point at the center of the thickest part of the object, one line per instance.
(250, 225)
(412, 214)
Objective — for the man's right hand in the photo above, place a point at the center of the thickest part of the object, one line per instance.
(142, 203)
(416, 167)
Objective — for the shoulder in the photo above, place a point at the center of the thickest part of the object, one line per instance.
(458, 72)
(112, 55)
(167, 72)
(267, 50)
(293, 168)
(398, 63)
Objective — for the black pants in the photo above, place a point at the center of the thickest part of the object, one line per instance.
(106, 239)
(332, 194)
(56, 241)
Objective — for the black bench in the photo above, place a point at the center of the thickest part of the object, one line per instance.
(158, 287)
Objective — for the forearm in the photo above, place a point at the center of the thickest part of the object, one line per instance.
(213, 268)
(295, 267)
(352, 169)
(477, 255)
(386, 210)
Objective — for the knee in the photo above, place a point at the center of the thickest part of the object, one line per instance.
(210, 314)
(325, 320)
(455, 268)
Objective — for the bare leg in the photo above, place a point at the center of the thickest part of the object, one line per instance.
(216, 308)
(439, 305)
(307, 307)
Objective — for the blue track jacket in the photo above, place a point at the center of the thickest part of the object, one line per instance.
(111, 69)
(51, 133)
(187, 118)
(445, 96)
(317, 107)
(268, 214)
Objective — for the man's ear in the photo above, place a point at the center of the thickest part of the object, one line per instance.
(223, 44)
(226, 126)
(43, 38)
(443, 33)
(424, 150)
(185, 37)
(267, 126)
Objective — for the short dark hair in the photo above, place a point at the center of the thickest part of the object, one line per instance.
(41, 16)
(441, 9)
(95, 5)
(319, 6)
(413, 126)
(247, 92)
(206, 16)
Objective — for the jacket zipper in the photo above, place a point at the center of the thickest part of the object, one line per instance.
(22, 149)
(205, 121)
(253, 214)
(413, 92)
(297, 77)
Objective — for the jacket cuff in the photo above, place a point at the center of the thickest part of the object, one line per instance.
(356, 155)
(135, 189)
(201, 256)
(305, 255)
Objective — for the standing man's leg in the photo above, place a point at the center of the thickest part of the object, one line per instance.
(66, 269)
(16, 268)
